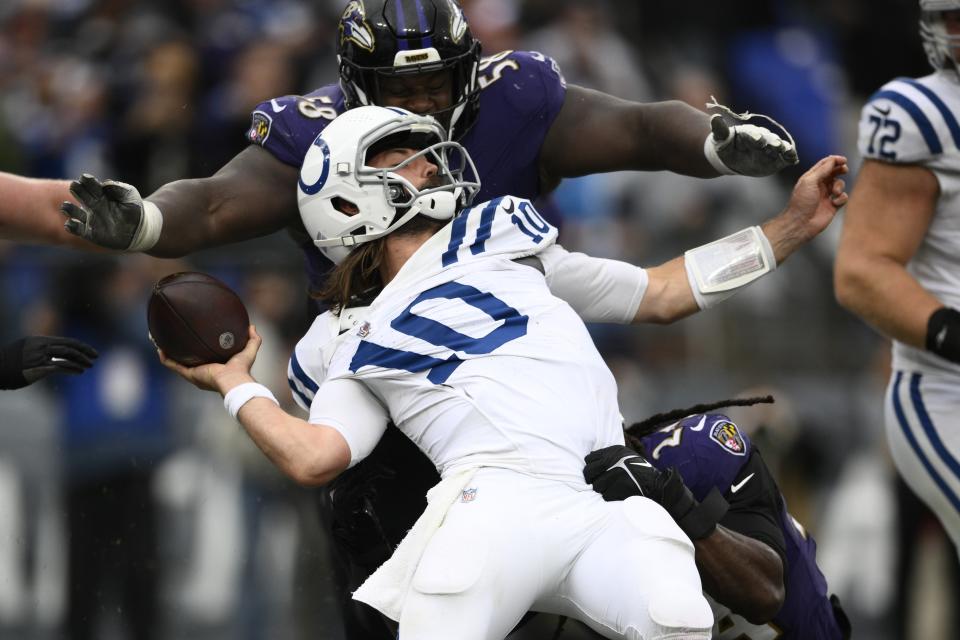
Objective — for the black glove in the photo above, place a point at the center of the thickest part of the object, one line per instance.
(750, 144)
(111, 215)
(29, 359)
(618, 472)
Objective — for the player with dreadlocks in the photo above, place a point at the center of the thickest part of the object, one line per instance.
(757, 563)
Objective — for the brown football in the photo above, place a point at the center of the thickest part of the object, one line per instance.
(196, 319)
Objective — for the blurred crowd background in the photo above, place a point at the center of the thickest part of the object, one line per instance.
(132, 506)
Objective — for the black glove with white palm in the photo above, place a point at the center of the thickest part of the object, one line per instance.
(112, 215)
(618, 472)
(28, 359)
(748, 144)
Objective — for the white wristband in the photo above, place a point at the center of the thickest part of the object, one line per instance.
(149, 231)
(710, 151)
(719, 269)
(243, 393)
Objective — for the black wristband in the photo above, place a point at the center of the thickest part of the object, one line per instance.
(702, 520)
(943, 333)
(11, 366)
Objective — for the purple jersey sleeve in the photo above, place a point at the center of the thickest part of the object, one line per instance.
(288, 125)
(807, 613)
(522, 93)
(707, 449)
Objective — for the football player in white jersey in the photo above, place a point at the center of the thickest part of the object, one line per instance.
(467, 349)
(898, 265)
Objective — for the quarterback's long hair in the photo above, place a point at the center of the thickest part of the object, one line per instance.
(357, 280)
(358, 273)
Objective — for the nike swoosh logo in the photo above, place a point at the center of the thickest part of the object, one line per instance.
(699, 427)
(622, 462)
(736, 487)
(885, 112)
(277, 107)
(640, 464)
(510, 203)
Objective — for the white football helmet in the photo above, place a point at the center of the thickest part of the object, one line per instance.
(939, 45)
(345, 202)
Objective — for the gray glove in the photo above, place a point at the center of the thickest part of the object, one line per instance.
(748, 144)
(112, 214)
(28, 359)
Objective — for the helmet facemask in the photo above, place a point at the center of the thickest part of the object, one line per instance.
(380, 199)
(939, 44)
(392, 46)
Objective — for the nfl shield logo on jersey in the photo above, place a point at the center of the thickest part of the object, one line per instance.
(468, 495)
(364, 330)
(728, 436)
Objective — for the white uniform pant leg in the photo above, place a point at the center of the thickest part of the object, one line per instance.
(636, 579)
(484, 567)
(922, 416)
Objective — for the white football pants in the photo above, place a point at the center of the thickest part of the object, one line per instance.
(514, 543)
(922, 416)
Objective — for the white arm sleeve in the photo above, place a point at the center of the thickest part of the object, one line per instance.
(599, 290)
(342, 402)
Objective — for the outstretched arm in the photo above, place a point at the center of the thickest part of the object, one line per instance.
(29, 212)
(675, 291)
(251, 196)
(602, 290)
(595, 132)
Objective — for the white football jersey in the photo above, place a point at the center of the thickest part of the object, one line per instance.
(474, 358)
(917, 121)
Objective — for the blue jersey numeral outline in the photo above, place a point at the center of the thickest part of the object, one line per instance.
(532, 224)
(438, 334)
(891, 133)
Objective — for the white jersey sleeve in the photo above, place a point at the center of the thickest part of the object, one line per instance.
(345, 405)
(349, 407)
(599, 290)
(310, 359)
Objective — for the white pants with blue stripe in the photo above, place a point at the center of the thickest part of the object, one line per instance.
(922, 415)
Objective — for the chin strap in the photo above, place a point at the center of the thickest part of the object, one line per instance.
(440, 205)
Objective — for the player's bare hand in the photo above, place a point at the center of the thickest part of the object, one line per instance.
(817, 196)
(819, 193)
(216, 376)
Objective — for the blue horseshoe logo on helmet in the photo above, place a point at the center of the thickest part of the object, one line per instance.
(311, 189)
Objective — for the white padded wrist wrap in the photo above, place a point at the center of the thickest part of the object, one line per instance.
(719, 269)
(150, 228)
(710, 151)
(243, 393)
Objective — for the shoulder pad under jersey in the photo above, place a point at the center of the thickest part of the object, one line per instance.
(288, 125)
(503, 226)
(310, 361)
(707, 449)
(911, 120)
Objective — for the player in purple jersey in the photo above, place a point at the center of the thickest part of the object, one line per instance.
(757, 563)
(524, 128)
